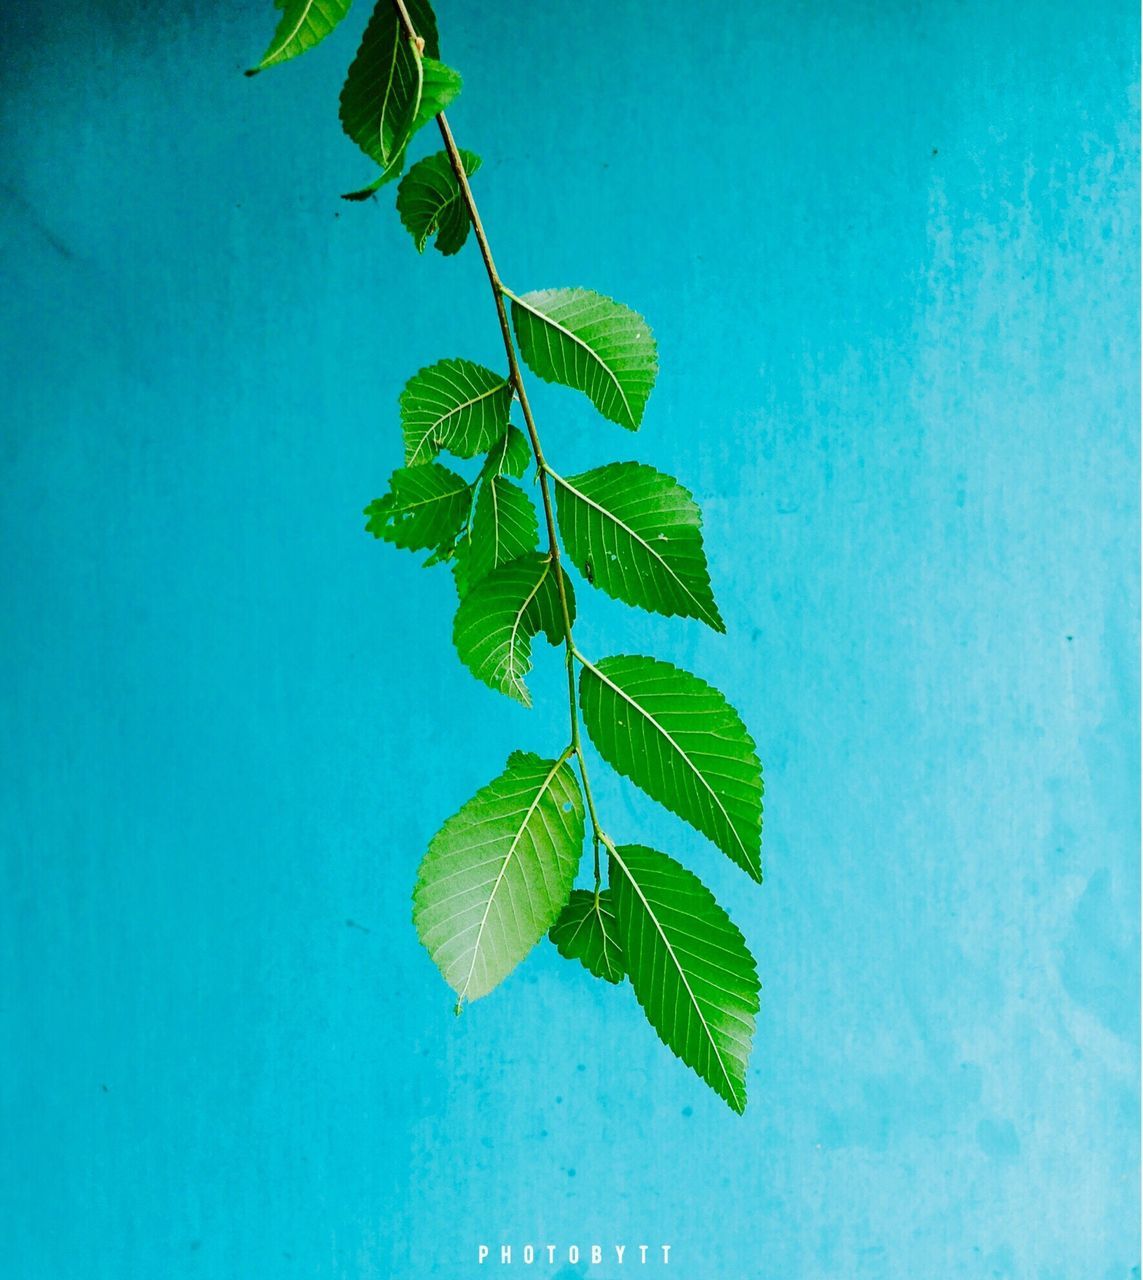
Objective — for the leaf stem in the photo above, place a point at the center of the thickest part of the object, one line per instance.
(499, 292)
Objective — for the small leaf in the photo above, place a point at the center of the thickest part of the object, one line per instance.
(430, 202)
(497, 873)
(504, 526)
(499, 618)
(454, 405)
(587, 931)
(304, 23)
(689, 965)
(425, 507)
(640, 533)
(382, 93)
(509, 456)
(678, 738)
(440, 84)
(584, 340)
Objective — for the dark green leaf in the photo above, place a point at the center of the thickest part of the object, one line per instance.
(499, 618)
(424, 508)
(382, 93)
(679, 739)
(586, 931)
(509, 456)
(430, 202)
(497, 874)
(583, 340)
(303, 24)
(504, 526)
(454, 405)
(689, 965)
(636, 534)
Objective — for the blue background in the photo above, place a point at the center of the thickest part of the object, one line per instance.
(890, 254)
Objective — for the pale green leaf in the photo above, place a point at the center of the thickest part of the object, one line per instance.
(636, 534)
(509, 456)
(678, 738)
(454, 405)
(497, 873)
(430, 202)
(504, 526)
(587, 931)
(303, 24)
(424, 508)
(583, 340)
(500, 616)
(689, 965)
(382, 92)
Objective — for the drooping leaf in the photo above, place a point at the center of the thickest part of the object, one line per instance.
(678, 738)
(303, 24)
(509, 456)
(504, 527)
(382, 92)
(454, 405)
(583, 340)
(636, 534)
(425, 507)
(440, 84)
(430, 202)
(497, 873)
(499, 618)
(587, 931)
(689, 965)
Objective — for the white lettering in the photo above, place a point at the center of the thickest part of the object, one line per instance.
(505, 1253)
(620, 1250)
(551, 1253)
(596, 1254)
(642, 1253)
(666, 1254)
(482, 1253)
(573, 1253)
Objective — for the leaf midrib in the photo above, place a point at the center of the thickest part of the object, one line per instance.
(467, 404)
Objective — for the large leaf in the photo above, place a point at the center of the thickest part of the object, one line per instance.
(509, 456)
(504, 526)
(454, 405)
(497, 873)
(679, 739)
(440, 84)
(584, 340)
(501, 615)
(430, 202)
(303, 24)
(689, 965)
(636, 534)
(425, 507)
(587, 931)
(382, 92)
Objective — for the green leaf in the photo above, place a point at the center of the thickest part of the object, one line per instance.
(689, 965)
(678, 738)
(587, 931)
(497, 873)
(499, 618)
(303, 24)
(382, 92)
(504, 526)
(430, 202)
(584, 340)
(440, 84)
(425, 507)
(636, 534)
(509, 456)
(454, 405)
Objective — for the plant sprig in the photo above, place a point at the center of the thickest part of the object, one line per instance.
(499, 874)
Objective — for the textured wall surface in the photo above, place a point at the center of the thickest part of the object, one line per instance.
(889, 250)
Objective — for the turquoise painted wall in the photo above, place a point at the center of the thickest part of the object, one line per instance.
(890, 253)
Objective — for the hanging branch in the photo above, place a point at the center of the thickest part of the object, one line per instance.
(499, 874)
